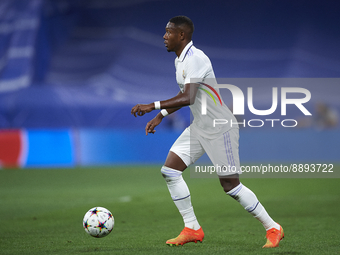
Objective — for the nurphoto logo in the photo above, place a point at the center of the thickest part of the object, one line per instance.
(239, 104)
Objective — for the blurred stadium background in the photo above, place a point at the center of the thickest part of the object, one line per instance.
(70, 71)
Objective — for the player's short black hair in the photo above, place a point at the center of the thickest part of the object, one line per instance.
(183, 20)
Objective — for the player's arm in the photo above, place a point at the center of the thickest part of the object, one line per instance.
(181, 99)
(150, 126)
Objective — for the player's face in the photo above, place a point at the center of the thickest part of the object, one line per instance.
(171, 37)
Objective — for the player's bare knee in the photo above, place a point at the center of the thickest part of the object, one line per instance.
(227, 186)
(228, 183)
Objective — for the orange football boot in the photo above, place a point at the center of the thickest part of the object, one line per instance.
(274, 237)
(187, 235)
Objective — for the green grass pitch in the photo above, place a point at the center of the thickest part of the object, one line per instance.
(41, 212)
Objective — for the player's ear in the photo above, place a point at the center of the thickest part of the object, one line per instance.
(182, 35)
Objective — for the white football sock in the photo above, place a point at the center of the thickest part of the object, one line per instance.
(181, 196)
(249, 201)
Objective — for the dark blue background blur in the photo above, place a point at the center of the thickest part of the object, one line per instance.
(70, 71)
(86, 63)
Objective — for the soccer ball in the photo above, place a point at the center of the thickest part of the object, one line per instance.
(98, 222)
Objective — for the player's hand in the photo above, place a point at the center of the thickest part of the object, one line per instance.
(141, 109)
(150, 126)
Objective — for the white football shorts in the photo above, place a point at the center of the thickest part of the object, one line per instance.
(222, 151)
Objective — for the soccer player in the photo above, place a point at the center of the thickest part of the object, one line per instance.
(220, 143)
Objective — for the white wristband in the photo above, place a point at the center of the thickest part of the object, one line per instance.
(157, 105)
(164, 112)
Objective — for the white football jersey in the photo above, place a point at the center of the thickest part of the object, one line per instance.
(193, 66)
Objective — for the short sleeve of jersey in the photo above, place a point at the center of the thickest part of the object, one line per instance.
(196, 68)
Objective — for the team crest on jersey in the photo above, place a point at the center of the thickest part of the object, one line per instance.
(183, 75)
